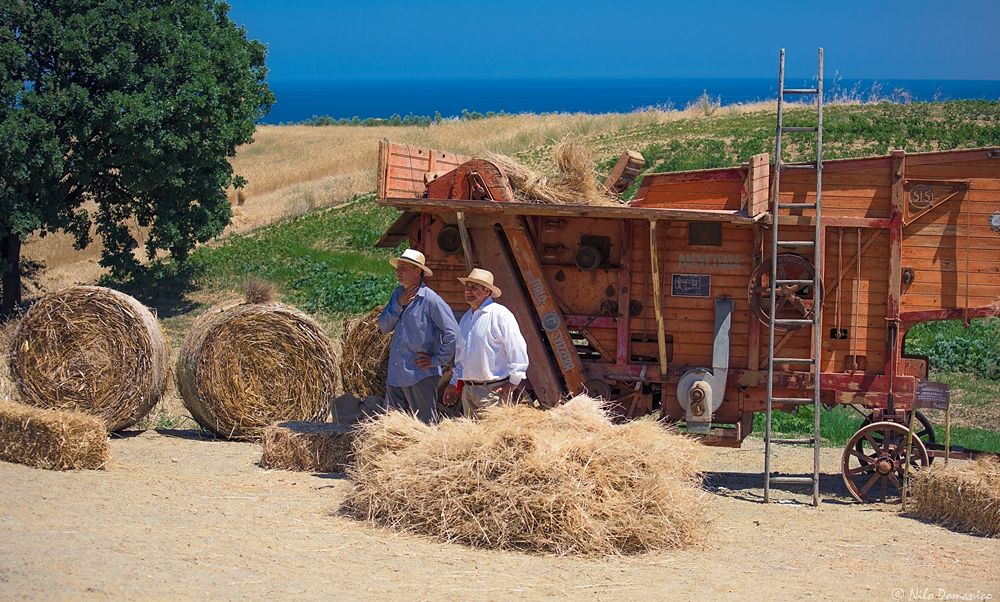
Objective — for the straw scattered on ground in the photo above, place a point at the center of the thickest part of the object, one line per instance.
(563, 481)
(246, 366)
(52, 439)
(307, 446)
(364, 356)
(90, 349)
(963, 495)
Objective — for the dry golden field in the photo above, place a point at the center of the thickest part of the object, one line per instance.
(292, 169)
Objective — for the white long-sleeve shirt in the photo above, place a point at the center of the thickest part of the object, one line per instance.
(490, 346)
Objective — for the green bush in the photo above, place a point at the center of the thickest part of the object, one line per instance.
(953, 348)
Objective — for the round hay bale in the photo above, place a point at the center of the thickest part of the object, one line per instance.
(307, 446)
(566, 482)
(364, 358)
(245, 366)
(90, 349)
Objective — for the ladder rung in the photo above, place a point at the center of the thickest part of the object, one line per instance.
(800, 129)
(792, 321)
(800, 91)
(793, 360)
(779, 282)
(792, 480)
(795, 400)
(797, 166)
(796, 243)
(808, 441)
(796, 205)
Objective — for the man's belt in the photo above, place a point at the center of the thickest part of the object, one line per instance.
(480, 383)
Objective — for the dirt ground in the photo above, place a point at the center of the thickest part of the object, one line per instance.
(177, 516)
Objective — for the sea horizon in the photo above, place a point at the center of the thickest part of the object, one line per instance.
(299, 100)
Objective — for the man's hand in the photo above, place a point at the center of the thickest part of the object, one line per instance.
(408, 294)
(506, 392)
(450, 395)
(422, 360)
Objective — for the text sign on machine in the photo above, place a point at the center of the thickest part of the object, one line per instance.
(690, 285)
(932, 396)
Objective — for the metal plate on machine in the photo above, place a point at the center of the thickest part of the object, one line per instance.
(690, 285)
(932, 396)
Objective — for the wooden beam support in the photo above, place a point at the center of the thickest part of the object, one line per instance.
(544, 301)
(894, 334)
(493, 254)
(623, 353)
(463, 232)
(612, 211)
(661, 335)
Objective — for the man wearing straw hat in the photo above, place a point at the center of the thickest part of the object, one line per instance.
(491, 357)
(423, 331)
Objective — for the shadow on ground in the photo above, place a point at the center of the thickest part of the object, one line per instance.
(190, 434)
(749, 486)
(160, 286)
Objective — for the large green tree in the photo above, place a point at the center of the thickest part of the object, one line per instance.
(129, 108)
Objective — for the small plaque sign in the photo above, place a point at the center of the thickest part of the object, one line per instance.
(690, 285)
(932, 396)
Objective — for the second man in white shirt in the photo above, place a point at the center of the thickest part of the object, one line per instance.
(491, 357)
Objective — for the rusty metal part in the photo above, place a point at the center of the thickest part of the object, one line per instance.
(924, 429)
(476, 180)
(792, 300)
(598, 388)
(874, 458)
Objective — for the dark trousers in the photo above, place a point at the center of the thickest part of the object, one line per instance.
(419, 399)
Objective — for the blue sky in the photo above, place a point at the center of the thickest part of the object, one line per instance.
(390, 39)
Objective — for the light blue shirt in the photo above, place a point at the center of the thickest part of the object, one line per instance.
(426, 325)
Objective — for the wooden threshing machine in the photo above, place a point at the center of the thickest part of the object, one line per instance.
(664, 304)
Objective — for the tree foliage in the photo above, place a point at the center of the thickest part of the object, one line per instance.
(114, 112)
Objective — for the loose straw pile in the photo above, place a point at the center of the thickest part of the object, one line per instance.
(564, 481)
(90, 349)
(576, 185)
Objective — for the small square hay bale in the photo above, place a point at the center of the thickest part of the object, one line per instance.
(964, 496)
(52, 439)
(307, 446)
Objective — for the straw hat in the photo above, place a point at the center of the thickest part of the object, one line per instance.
(413, 257)
(484, 278)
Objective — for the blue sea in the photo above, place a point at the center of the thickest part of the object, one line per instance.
(301, 100)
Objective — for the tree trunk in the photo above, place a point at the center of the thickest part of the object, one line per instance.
(10, 280)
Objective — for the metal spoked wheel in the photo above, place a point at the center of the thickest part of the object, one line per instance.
(925, 430)
(793, 301)
(874, 458)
